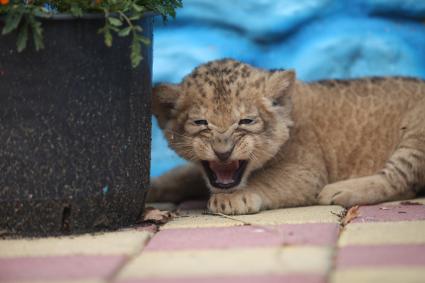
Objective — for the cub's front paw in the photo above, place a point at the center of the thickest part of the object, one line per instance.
(359, 191)
(238, 202)
(337, 194)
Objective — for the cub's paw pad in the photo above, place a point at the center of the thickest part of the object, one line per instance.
(335, 194)
(235, 203)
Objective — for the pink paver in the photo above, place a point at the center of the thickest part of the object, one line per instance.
(379, 213)
(290, 278)
(393, 255)
(244, 236)
(58, 267)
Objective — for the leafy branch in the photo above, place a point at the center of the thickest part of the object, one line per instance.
(121, 19)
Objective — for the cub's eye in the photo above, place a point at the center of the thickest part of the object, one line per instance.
(246, 121)
(201, 122)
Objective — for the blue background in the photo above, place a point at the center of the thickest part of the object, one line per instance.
(320, 39)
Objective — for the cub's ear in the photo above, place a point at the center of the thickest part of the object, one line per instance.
(164, 101)
(279, 85)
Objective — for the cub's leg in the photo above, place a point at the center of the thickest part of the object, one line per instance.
(182, 183)
(401, 178)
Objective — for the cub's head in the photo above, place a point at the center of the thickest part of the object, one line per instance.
(228, 117)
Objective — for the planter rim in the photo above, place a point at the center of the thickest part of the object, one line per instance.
(87, 16)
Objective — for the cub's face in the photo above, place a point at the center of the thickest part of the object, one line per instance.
(228, 117)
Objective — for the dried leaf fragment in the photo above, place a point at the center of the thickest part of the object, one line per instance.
(352, 213)
(157, 216)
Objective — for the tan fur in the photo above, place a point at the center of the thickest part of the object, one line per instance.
(330, 142)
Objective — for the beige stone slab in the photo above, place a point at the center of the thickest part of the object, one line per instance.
(383, 233)
(112, 243)
(376, 275)
(198, 219)
(310, 214)
(256, 261)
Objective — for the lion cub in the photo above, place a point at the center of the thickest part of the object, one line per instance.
(261, 140)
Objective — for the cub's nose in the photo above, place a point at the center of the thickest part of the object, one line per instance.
(223, 156)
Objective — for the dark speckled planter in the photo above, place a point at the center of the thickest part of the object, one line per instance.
(74, 131)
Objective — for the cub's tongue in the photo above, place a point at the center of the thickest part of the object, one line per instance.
(224, 172)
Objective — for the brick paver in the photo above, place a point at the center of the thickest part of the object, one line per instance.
(253, 261)
(384, 233)
(26, 269)
(245, 236)
(117, 243)
(384, 243)
(391, 212)
(292, 278)
(381, 255)
(381, 274)
(312, 214)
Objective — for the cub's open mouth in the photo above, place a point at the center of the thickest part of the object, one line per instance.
(225, 175)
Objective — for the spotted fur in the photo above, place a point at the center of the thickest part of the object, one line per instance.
(344, 142)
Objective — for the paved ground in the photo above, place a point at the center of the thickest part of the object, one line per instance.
(383, 243)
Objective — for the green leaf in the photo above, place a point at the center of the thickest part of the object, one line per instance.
(136, 53)
(161, 10)
(144, 40)
(22, 40)
(37, 32)
(115, 22)
(12, 21)
(135, 17)
(138, 28)
(108, 37)
(115, 29)
(125, 32)
(76, 10)
(138, 8)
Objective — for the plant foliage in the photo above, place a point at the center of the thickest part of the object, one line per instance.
(121, 18)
